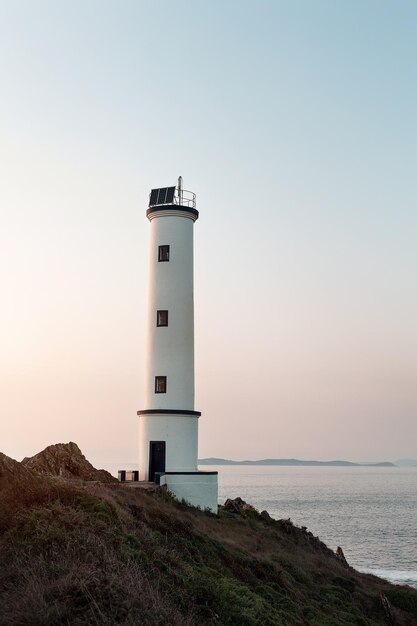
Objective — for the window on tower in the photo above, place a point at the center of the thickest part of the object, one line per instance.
(163, 253)
(162, 318)
(160, 384)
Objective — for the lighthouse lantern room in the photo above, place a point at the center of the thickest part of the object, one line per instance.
(168, 426)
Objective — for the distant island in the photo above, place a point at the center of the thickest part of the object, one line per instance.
(292, 462)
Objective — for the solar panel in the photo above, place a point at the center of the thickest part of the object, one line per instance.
(165, 195)
(170, 195)
(162, 195)
(153, 197)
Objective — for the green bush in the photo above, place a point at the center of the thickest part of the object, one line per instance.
(405, 599)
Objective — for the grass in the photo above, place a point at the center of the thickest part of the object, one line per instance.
(404, 599)
(91, 554)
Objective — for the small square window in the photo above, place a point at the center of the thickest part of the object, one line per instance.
(162, 318)
(160, 384)
(163, 253)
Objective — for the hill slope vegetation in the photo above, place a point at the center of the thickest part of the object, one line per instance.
(79, 552)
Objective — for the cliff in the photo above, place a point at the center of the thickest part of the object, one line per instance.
(81, 552)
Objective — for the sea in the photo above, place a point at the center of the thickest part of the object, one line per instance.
(371, 512)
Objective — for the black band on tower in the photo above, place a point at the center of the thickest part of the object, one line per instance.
(168, 412)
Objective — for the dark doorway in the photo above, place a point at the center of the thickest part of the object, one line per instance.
(156, 458)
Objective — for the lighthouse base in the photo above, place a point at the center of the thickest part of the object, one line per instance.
(196, 488)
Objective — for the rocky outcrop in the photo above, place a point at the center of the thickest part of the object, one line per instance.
(67, 461)
(12, 470)
(239, 506)
(341, 556)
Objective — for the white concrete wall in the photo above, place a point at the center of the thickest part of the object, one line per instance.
(197, 489)
(180, 432)
(170, 350)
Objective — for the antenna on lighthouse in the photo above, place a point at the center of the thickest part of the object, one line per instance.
(180, 190)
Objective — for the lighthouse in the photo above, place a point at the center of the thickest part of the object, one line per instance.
(168, 425)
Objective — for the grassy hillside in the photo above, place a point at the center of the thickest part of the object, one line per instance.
(85, 553)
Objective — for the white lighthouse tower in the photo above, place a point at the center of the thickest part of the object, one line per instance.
(168, 426)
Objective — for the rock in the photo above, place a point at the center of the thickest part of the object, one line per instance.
(248, 508)
(341, 556)
(387, 609)
(11, 470)
(66, 460)
(286, 525)
(239, 506)
(8, 466)
(233, 505)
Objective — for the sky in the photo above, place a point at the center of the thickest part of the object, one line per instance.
(295, 123)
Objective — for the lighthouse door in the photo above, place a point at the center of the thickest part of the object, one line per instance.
(156, 458)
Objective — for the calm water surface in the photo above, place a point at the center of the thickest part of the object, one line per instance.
(370, 512)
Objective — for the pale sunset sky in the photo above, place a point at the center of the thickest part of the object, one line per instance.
(295, 123)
